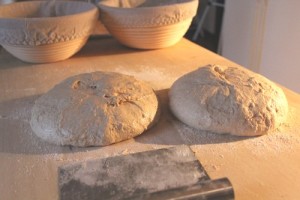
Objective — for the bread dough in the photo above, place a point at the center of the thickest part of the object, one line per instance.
(94, 109)
(231, 100)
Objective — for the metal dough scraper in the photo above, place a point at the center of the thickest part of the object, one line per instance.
(171, 173)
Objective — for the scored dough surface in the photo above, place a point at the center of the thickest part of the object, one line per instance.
(94, 109)
(231, 100)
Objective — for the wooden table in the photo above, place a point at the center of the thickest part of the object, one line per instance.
(266, 167)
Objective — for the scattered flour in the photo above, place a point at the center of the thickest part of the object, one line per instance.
(162, 79)
(285, 138)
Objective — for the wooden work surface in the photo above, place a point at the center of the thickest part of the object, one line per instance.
(266, 167)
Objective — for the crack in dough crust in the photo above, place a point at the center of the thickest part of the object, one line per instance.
(94, 109)
(231, 100)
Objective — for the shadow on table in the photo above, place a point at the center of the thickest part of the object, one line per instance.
(102, 46)
(16, 134)
(105, 46)
(170, 131)
(8, 61)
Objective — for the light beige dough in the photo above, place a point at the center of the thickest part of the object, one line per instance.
(231, 100)
(94, 109)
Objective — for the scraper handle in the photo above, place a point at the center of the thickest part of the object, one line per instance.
(219, 189)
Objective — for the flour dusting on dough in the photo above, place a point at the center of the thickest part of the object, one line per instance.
(230, 100)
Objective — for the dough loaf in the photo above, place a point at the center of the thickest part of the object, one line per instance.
(94, 109)
(231, 100)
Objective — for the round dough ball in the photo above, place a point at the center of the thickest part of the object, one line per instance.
(94, 109)
(231, 100)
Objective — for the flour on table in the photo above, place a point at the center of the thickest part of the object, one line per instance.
(157, 77)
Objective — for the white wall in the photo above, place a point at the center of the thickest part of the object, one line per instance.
(264, 36)
(238, 31)
(281, 44)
